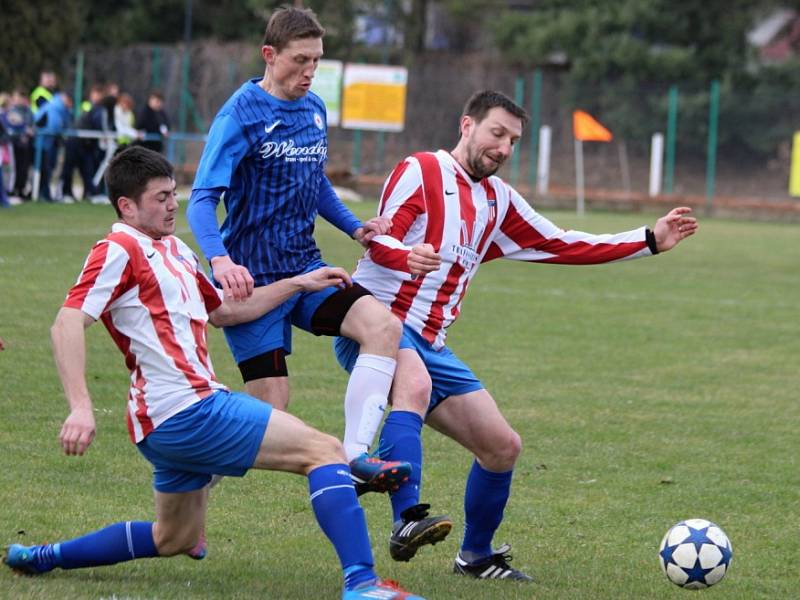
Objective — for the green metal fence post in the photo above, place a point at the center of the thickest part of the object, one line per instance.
(711, 151)
(155, 72)
(76, 105)
(519, 98)
(672, 128)
(536, 123)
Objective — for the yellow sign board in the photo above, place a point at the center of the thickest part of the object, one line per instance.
(374, 97)
(794, 173)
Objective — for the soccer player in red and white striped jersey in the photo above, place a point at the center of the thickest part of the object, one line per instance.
(450, 214)
(147, 287)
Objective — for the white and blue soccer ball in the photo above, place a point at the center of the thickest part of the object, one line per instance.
(695, 554)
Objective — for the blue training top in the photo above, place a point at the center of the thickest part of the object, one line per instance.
(268, 156)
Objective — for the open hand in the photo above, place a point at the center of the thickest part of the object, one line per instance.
(673, 227)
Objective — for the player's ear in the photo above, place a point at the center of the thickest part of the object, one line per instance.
(466, 125)
(268, 53)
(127, 207)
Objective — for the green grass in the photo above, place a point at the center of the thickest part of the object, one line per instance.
(645, 393)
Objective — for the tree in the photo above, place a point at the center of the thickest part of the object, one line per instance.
(623, 55)
(38, 36)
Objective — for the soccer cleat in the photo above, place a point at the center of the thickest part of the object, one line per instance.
(494, 566)
(415, 529)
(371, 474)
(200, 550)
(382, 589)
(30, 560)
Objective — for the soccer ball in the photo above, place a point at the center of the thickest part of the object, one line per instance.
(695, 554)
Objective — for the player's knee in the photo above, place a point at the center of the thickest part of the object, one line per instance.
(392, 329)
(377, 328)
(323, 449)
(412, 394)
(514, 446)
(503, 452)
(171, 541)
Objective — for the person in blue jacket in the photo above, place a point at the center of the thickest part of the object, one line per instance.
(52, 119)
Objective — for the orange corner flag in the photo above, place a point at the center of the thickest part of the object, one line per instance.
(588, 129)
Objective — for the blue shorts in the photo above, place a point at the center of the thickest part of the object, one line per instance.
(449, 375)
(220, 435)
(274, 329)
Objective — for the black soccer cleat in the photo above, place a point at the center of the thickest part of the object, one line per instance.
(492, 567)
(416, 529)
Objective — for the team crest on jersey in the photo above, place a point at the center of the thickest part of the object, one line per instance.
(492, 209)
(466, 250)
(318, 121)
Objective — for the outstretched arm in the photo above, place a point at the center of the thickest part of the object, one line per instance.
(69, 349)
(265, 298)
(674, 227)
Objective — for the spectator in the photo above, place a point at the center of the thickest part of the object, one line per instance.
(44, 92)
(19, 124)
(153, 120)
(6, 154)
(51, 120)
(82, 152)
(124, 121)
(102, 119)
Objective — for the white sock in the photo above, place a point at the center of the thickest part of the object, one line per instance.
(365, 401)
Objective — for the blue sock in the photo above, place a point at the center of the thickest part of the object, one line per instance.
(338, 513)
(402, 436)
(113, 544)
(484, 502)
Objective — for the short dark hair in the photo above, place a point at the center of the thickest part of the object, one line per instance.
(288, 23)
(480, 103)
(131, 170)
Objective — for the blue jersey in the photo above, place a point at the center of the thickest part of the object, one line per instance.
(268, 155)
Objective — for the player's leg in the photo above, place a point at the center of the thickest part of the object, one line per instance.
(354, 312)
(401, 434)
(474, 421)
(291, 445)
(179, 521)
(270, 388)
(259, 348)
(401, 439)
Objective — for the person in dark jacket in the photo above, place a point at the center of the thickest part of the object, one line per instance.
(152, 119)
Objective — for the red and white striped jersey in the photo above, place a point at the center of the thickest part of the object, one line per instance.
(431, 199)
(154, 299)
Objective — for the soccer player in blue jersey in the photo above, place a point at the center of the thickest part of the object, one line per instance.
(266, 154)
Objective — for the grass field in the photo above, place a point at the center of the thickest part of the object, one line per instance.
(645, 392)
